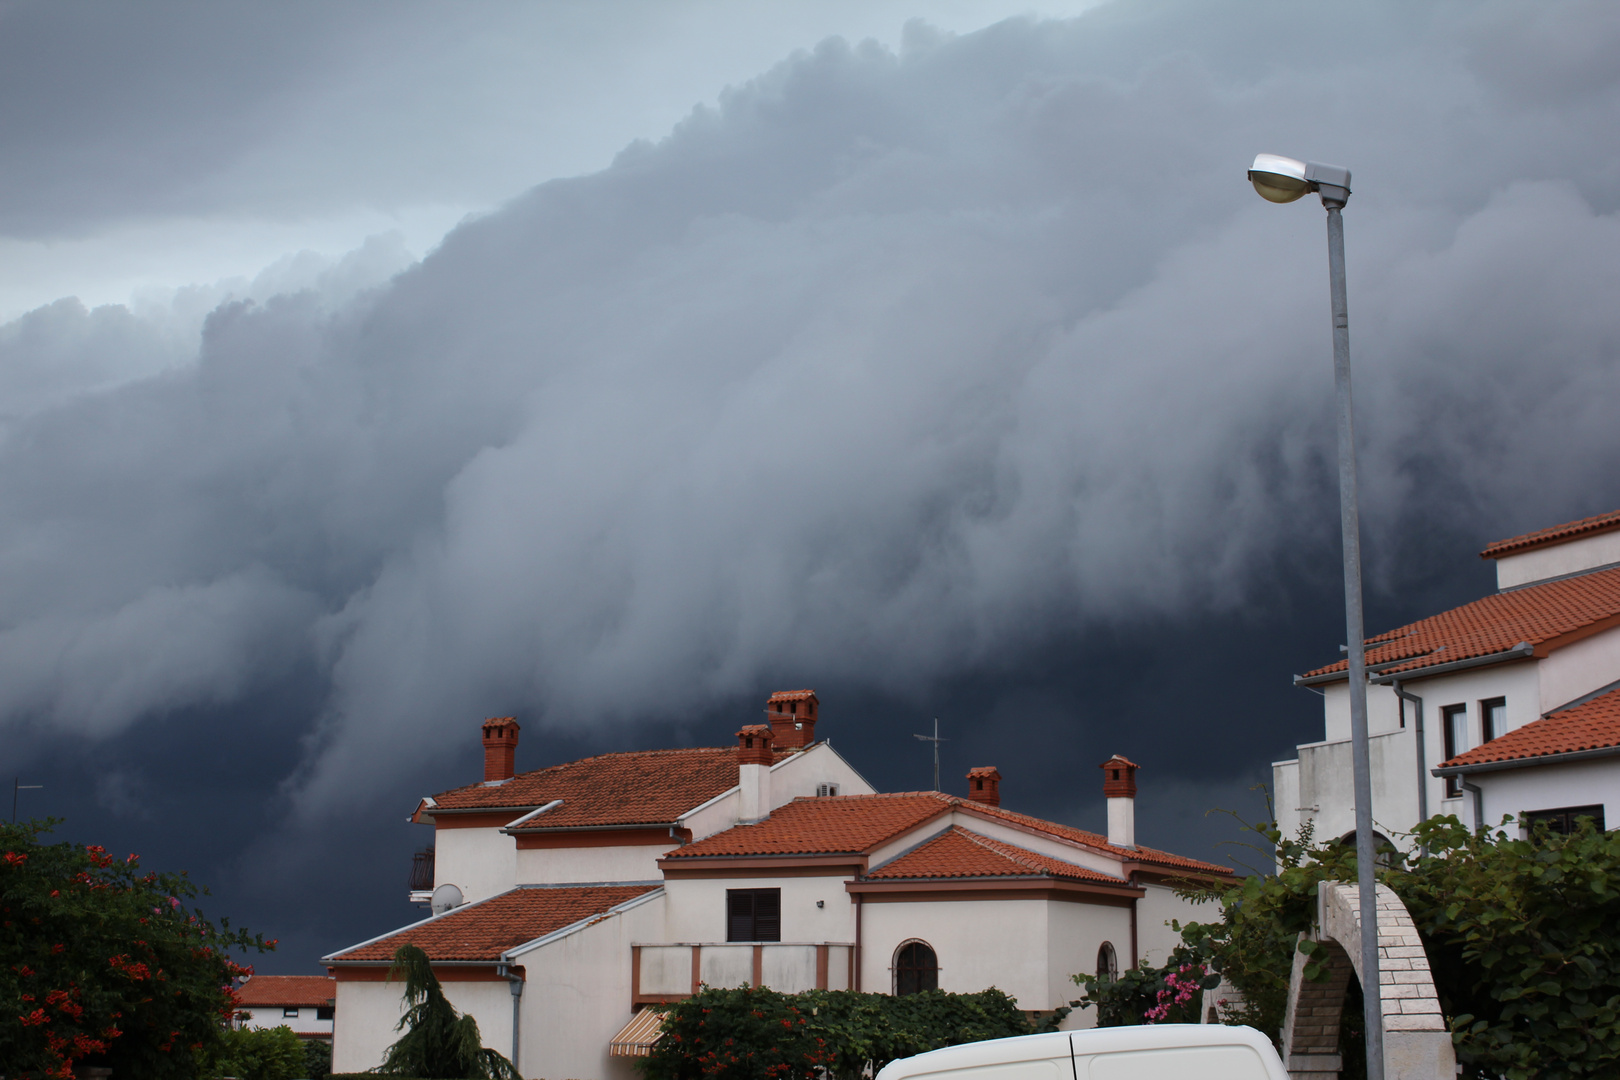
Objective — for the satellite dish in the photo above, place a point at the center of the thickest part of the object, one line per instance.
(445, 897)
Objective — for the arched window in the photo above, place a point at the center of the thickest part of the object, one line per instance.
(915, 968)
(1107, 961)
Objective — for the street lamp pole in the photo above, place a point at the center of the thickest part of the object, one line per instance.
(1279, 179)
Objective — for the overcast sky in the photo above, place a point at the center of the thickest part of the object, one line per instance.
(370, 369)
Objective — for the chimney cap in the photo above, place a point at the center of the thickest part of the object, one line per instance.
(792, 695)
(1119, 759)
(985, 771)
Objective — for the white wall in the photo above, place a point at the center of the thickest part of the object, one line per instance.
(1566, 558)
(577, 997)
(371, 1009)
(1285, 800)
(552, 866)
(1549, 787)
(1577, 670)
(268, 1016)
(1077, 932)
(1159, 905)
(796, 777)
(479, 862)
(696, 908)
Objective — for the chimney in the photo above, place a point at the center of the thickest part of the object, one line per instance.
(754, 772)
(984, 785)
(1119, 786)
(500, 749)
(793, 718)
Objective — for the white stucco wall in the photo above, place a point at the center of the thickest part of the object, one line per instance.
(554, 866)
(1560, 559)
(479, 862)
(1578, 669)
(371, 1009)
(1077, 931)
(696, 908)
(1158, 906)
(268, 1016)
(796, 777)
(577, 997)
(1549, 787)
(1285, 801)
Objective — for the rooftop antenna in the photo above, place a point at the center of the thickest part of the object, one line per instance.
(16, 786)
(936, 740)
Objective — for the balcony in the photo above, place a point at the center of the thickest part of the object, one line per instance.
(660, 973)
(421, 885)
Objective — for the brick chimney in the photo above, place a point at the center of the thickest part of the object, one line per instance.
(793, 718)
(754, 772)
(1119, 787)
(500, 749)
(984, 785)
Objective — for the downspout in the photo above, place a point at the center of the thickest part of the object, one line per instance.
(1134, 959)
(1479, 804)
(859, 958)
(514, 983)
(1402, 697)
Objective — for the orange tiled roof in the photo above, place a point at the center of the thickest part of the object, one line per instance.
(1540, 615)
(483, 930)
(958, 853)
(792, 695)
(642, 787)
(862, 823)
(1555, 534)
(1591, 725)
(286, 991)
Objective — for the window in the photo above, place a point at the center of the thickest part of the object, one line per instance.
(323, 1012)
(1107, 961)
(1563, 819)
(825, 788)
(915, 969)
(1492, 719)
(1454, 729)
(290, 1012)
(753, 914)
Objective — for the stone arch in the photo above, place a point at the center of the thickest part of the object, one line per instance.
(1417, 1044)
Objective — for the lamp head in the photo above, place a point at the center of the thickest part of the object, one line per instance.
(1278, 179)
(1281, 180)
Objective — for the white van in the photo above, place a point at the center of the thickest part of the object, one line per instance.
(1148, 1052)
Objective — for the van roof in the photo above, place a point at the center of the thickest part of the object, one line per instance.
(1088, 1041)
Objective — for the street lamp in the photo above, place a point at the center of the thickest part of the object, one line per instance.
(1281, 180)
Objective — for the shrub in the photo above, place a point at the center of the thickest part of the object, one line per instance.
(754, 1032)
(259, 1054)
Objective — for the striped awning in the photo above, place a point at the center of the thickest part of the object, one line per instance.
(637, 1037)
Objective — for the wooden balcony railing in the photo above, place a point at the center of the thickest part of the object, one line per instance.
(660, 973)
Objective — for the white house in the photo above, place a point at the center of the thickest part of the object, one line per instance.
(1508, 705)
(304, 1003)
(596, 888)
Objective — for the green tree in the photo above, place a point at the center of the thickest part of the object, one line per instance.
(259, 1054)
(1519, 932)
(438, 1043)
(106, 964)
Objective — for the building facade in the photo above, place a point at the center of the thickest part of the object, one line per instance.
(304, 1003)
(1506, 706)
(571, 901)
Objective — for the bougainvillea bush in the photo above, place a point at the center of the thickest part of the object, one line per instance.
(755, 1033)
(1146, 994)
(102, 963)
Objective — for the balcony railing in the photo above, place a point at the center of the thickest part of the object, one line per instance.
(670, 972)
(422, 871)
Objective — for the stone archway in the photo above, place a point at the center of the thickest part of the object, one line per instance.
(1417, 1045)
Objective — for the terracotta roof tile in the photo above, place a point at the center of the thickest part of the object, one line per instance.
(823, 826)
(862, 823)
(1554, 534)
(792, 695)
(958, 853)
(1537, 614)
(286, 990)
(1592, 725)
(482, 930)
(642, 787)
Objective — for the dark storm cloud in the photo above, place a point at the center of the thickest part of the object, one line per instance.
(890, 369)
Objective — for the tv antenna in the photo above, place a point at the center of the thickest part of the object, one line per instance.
(16, 786)
(936, 740)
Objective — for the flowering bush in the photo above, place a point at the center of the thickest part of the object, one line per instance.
(754, 1032)
(1150, 995)
(102, 963)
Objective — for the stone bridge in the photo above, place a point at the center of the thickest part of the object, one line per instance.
(1417, 1045)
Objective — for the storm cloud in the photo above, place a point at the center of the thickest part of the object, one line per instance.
(892, 369)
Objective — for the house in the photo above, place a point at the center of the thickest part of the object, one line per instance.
(304, 1003)
(1507, 705)
(572, 901)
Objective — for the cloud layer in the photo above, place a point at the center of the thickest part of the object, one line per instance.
(889, 367)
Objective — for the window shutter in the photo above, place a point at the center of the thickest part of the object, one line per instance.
(768, 915)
